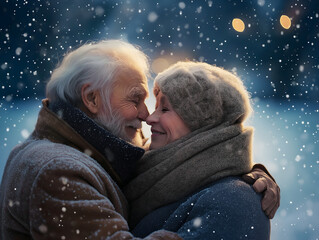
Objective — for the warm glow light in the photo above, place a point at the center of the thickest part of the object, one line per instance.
(238, 25)
(159, 65)
(285, 21)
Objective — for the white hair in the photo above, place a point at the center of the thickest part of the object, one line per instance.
(97, 64)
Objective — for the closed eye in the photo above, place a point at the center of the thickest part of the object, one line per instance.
(137, 95)
(135, 101)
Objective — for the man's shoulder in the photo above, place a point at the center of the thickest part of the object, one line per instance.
(35, 154)
(47, 149)
(42, 160)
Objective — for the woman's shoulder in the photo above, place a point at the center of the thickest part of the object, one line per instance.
(229, 191)
(230, 185)
(230, 206)
(232, 198)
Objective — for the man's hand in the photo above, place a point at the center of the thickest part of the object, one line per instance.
(264, 183)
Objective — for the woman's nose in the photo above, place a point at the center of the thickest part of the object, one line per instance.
(151, 118)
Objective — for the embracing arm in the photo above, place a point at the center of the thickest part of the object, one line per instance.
(264, 183)
(71, 201)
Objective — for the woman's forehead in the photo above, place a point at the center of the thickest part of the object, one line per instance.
(162, 98)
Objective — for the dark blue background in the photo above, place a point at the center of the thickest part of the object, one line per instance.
(279, 67)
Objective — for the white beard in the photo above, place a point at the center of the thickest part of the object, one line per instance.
(116, 125)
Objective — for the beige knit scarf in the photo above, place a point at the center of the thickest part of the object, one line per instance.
(180, 168)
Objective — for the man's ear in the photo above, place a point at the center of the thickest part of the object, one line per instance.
(91, 99)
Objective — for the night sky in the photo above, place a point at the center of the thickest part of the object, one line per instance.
(278, 63)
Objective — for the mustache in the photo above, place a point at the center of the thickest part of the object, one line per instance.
(134, 123)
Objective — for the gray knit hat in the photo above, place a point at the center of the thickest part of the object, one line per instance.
(202, 94)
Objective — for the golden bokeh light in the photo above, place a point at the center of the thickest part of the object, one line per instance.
(238, 25)
(285, 21)
(160, 64)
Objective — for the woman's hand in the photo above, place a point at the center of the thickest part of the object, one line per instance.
(264, 183)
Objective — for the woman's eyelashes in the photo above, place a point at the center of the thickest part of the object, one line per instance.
(161, 108)
(164, 109)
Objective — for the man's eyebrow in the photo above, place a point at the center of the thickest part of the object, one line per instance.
(137, 92)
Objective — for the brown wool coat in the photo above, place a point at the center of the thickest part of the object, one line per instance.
(51, 189)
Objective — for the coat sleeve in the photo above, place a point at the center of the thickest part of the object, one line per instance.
(225, 213)
(70, 200)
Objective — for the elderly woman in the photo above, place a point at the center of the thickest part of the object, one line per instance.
(189, 182)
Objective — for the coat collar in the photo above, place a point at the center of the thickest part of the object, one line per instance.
(61, 122)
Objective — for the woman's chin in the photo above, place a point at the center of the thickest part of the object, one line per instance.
(155, 144)
(159, 140)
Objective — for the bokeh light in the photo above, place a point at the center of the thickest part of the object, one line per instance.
(159, 64)
(285, 22)
(280, 70)
(238, 25)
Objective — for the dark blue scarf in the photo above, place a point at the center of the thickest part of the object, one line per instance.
(122, 156)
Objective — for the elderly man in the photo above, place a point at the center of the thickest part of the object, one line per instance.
(64, 181)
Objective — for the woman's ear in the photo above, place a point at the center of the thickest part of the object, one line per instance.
(91, 99)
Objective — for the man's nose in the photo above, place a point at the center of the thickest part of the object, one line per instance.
(143, 112)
